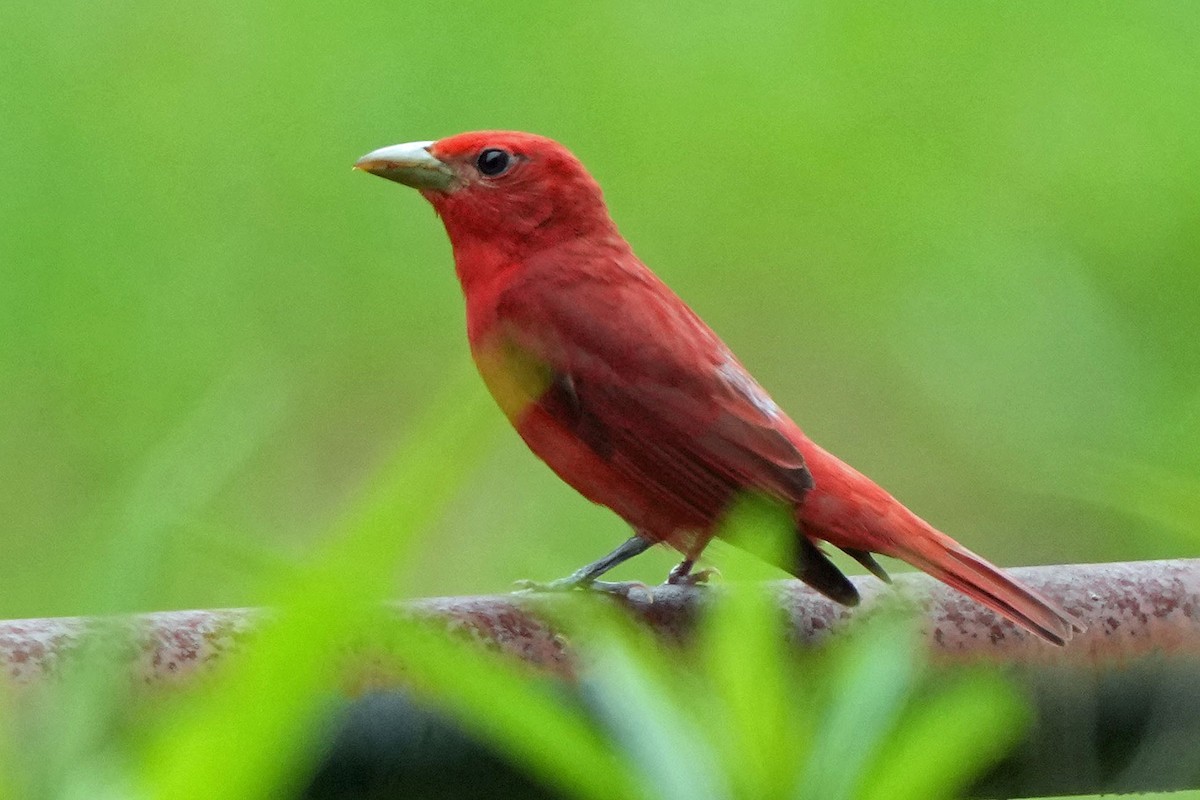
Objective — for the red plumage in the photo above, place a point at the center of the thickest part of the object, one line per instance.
(629, 397)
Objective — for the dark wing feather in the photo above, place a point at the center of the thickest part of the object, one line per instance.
(814, 568)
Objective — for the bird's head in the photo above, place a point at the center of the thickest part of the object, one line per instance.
(505, 187)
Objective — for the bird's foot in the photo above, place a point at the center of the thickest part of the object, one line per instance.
(628, 590)
(681, 575)
(561, 585)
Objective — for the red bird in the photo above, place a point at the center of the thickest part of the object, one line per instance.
(625, 393)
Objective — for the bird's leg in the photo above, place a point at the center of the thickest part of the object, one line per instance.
(681, 574)
(585, 577)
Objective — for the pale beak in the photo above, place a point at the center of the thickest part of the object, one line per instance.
(411, 164)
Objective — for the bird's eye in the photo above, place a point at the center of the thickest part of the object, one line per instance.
(493, 162)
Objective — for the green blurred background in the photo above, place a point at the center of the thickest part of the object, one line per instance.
(959, 243)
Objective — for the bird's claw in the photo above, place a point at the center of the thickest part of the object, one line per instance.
(628, 590)
(560, 585)
(678, 577)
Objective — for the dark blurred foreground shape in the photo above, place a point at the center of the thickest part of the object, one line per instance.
(1117, 710)
(388, 746)
(1129, 730)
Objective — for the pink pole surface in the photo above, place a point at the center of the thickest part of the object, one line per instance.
(1131, 610)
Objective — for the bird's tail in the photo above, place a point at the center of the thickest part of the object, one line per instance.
(945, 559)
(847, 509)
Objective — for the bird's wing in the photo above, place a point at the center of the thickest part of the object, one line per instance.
(653, 390)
